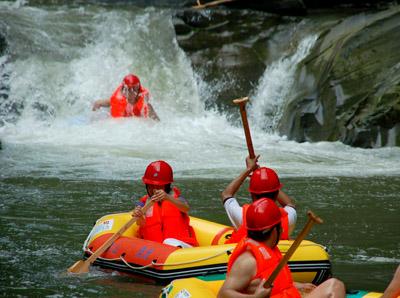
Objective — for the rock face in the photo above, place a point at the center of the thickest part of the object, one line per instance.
(2, 45)
(4, 79)
(298, 7)
(348, 87)
(226, 48)
(356, 98)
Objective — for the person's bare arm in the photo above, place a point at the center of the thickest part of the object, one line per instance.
(233, 187)
(285, 200)
(100, 103)
(239, 279)
(152, 113)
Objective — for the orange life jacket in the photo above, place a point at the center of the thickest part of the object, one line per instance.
(267, 260)
(120, 107)
(165, 220)
(240, 233)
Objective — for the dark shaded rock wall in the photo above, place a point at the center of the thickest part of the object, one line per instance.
(5, 105)
(354, 68)
(356, 99)
(227, 49)
(3, 45)
(300, 7)
(2, 50)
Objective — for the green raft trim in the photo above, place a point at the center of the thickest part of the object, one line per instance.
(356, 294)
(212, 277)
(361, 294)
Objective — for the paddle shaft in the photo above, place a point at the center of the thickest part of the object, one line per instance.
(312, 218)
(82, 266)
(209, 4)
(242, 105)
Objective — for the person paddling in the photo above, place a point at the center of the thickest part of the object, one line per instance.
(264, 182)
(257, 255)
(130, 99)
(167, 220)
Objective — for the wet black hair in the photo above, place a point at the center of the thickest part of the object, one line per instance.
(270, 195)
(261, 235)
(168, 188)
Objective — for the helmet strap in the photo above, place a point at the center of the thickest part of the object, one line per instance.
(278, 228)
(147, 190)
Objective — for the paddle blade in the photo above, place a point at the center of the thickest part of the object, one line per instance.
(79, 267)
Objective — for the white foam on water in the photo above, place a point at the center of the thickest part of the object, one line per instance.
(84, 56)
(371, 259)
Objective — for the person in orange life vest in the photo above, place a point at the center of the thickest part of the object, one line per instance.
(393, 289)
(264, 182)
(128, 100)
(256, 257)
(167, 220)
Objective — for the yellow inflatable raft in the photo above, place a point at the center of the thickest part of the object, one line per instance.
(208, 287)
(163, 263)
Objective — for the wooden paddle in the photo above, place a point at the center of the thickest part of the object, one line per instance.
(209, 4)
(242, 105)
(312, 218)
(82, 266)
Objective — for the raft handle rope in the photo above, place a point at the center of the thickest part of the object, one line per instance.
(120, 258)
(155, 264)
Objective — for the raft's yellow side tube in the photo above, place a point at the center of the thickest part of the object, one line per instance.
(212, 253)
(208, 288)
(206, 231)
(192, 287)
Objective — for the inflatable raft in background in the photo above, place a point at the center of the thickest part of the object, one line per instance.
(208, 287)
(363, 294)
(163, 263)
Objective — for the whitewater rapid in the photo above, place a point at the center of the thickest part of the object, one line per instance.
(60, 60)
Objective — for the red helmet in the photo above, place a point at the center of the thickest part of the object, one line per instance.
(262, 214)
(131, 81)
(264, 180)
(158, 173)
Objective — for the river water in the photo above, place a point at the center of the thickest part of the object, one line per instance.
(63, 166)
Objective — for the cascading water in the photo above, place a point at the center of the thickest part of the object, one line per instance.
(62, 166)
(57, 83)
(59, 61)
(276, 87)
